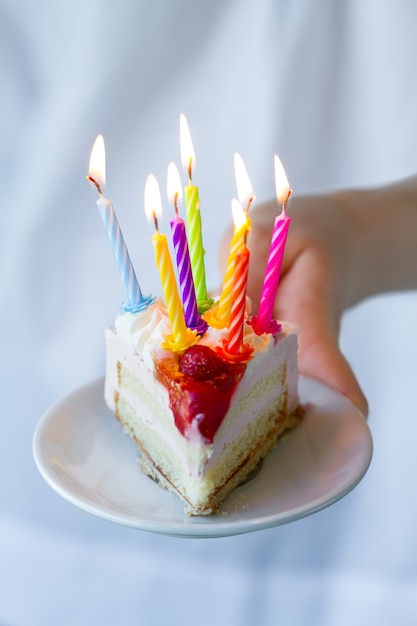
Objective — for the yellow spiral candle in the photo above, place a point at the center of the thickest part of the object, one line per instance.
(181, 337)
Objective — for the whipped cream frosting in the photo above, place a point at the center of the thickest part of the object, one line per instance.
(145, 331)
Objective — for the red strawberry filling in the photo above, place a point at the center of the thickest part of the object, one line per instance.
(200, 386)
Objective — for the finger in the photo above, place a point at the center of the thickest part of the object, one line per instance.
(323, 361)
(309, 304)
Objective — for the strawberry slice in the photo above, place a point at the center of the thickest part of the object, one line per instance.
(201, 363)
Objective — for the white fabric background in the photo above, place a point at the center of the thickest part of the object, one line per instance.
(332, 88)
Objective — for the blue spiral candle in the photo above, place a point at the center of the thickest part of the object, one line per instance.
(135, 299)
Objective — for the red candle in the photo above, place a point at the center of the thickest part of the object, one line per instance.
(237, 313)
(233, 348)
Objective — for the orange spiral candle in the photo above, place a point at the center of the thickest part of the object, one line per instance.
(233, 348)
(237, 313)
(219, 315)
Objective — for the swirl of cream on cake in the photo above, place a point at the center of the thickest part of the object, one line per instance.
(145, 331)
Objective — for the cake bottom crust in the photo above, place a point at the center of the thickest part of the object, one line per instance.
(240, 474)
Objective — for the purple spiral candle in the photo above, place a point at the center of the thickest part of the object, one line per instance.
(185, 276)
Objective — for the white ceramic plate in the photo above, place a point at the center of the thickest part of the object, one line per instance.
(82, 453)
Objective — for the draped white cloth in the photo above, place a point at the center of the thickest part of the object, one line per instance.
(329, 86)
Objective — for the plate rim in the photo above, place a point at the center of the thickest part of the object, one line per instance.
(206, 526)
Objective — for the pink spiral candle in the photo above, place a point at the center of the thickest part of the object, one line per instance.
(272, 273)
(264, 322)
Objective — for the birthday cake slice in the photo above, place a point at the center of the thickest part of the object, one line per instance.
(201, 422)
(204, 395)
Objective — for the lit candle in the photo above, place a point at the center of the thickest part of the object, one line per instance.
(180, 243)
(242, 224)
(243, 185)
(219, 315)
(181, 337)
(264, 322)
(233, 348)
(240, 281)
(192, 208)
(97, 175)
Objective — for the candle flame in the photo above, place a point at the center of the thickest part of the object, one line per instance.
(282, 187)
(187, 149)
(239, 217)
(153, 203)
(97, 166)
(174, 188)
(243, 184)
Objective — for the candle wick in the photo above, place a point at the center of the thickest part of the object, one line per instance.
(155, 220)
(176, 203)
(190, 170)
(284, 205)
(95, 183)
(251, 199)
